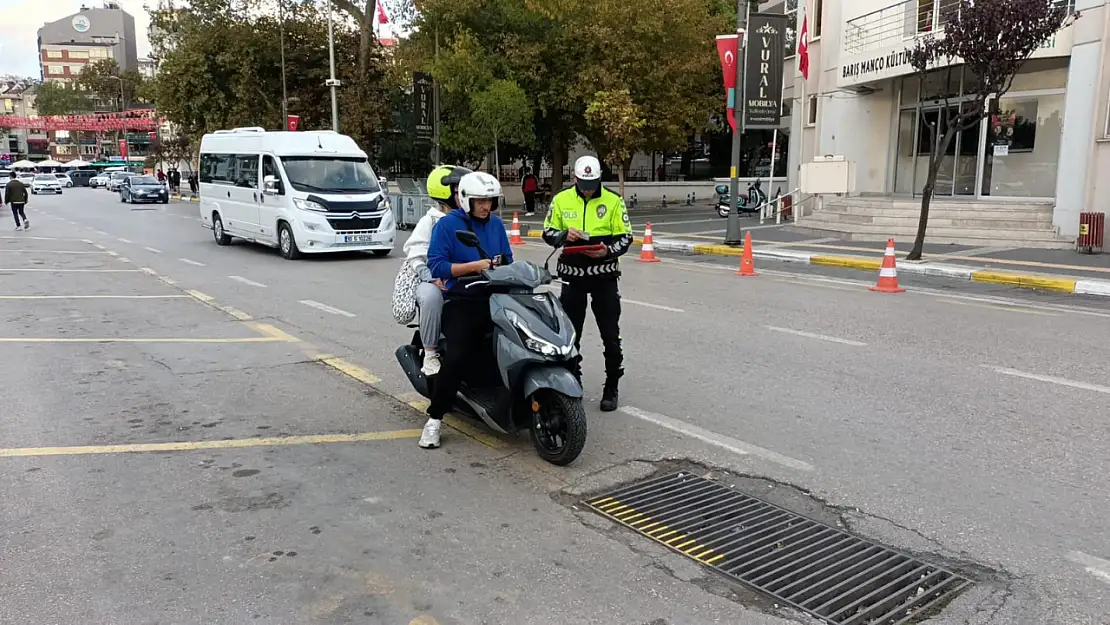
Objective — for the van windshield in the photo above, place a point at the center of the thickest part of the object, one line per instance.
(330, 175)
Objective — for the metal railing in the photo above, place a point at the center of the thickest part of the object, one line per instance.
(904, 20)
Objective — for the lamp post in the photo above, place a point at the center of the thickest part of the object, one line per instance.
(123, 132)
(332, 82)
(733, 234)
(284, 92)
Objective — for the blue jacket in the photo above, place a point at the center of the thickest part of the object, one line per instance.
(445, 250)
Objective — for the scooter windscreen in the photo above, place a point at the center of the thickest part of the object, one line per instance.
(522, 273)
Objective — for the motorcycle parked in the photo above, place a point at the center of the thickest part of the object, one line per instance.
(749, 203)
(523, 380)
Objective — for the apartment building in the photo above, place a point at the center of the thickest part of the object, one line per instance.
(68, 44)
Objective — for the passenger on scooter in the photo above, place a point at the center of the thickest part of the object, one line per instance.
(443, 185)
(465, 319)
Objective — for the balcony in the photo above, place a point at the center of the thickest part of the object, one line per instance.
(873, 43)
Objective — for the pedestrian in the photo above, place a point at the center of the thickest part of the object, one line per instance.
(588, 214)
(161, 176)
(529, 186)
(15, 194)
(194, 183)
(175, 181)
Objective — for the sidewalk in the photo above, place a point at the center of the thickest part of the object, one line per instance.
(1054, 270)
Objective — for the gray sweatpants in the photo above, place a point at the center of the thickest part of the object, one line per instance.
(429, 300)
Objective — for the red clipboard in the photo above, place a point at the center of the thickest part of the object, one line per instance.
(578, 249)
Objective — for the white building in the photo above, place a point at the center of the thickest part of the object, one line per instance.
(1022, 176)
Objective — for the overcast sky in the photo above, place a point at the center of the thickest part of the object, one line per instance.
(22, 19)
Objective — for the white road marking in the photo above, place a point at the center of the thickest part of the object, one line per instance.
(123, 240)
(102, 233)
(247, 282)
(152, 249)
(1050, 379)
(820, 337)
(73, 270)
(92, 296)
(22, 251)
(191, 262)
(650, 305)
(719, 440)
(324, 307)
(1095, 566)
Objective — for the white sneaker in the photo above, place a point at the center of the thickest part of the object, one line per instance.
(18, 228)
(431, 364)
(26, 224)
(430, 438)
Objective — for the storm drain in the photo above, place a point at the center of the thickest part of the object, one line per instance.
(809, 565)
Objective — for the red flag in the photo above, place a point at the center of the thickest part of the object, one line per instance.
(728, 48)
(382, 19)
(123, 148)
(292, 122)
(803, 48)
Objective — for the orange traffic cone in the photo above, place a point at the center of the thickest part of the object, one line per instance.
(747, 263)
(888, 273)
(647, 249)
(514, 232)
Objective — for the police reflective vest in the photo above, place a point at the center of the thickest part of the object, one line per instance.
(603, 217)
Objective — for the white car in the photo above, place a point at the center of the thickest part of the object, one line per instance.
(99, 180)
(26, 179)
(46, 183)
(64, 179)
(116, 178)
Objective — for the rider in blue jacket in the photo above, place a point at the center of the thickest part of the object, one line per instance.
(465, 321)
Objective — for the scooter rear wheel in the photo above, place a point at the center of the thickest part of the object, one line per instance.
(559, 427)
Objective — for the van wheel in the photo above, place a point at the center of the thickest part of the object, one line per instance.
(380, 253)
(287, 243)
(222, 237)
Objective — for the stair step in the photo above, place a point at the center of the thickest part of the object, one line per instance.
(956, 240)
(942, 211)
(938, 221)
(935, 231)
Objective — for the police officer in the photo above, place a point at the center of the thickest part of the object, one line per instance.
(590, 215)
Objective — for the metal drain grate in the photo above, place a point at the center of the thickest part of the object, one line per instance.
(809, 565)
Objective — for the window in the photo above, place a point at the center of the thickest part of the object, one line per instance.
(217, 168)
(818, 13)
(78, 54)
(53, 54)
(790, 37)
(56, 70)
(64, 149)
(98, 53)
(332, 175)
(246, 171)
(269, 168)
(811, 111)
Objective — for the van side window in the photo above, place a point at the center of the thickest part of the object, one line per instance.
(269, 167)
(246, 171)
(217, 168)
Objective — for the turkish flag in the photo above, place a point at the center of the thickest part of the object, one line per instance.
(803, 48)
(382, 19)
(292, 122)
(123, 148)
(728, 48)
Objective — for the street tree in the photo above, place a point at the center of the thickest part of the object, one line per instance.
(55, 98)
(991, 39)
(107, 83)
(501, 113)
(617, 119)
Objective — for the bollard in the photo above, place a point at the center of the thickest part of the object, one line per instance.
(664, 200)
(688, 199)
(635, 200)
(694, 196)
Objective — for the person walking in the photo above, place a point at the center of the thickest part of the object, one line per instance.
(588, 214)
(15, 194)
(529, 186)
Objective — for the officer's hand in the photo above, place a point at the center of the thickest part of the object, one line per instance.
(602, 253)
(574, 234)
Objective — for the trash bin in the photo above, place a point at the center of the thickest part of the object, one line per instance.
(1091, 232)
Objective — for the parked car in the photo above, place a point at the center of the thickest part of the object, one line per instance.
(81, 177)
(136, 189)
(5, 176)
(26, 179)
(46, 183)
(116, 179)
(64, 180)
(99, 180)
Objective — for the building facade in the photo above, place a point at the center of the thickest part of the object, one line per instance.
(68, 44)
(1034, 160)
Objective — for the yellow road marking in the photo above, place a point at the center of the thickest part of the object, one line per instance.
(148, 271)
(269, 330)
(93, 296)
(352, 370)
(1005, 308)
(275, 441)
(424, 619)
(242, 316)
(489, 440)
(207, 299)
(249, 339)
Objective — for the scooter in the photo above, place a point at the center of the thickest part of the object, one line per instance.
(749, 203)
(524, 380)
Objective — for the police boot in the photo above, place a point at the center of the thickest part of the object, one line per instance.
(610, 397)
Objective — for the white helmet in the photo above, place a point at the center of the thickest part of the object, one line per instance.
(477, 185)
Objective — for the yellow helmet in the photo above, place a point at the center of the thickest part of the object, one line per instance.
(443, 182)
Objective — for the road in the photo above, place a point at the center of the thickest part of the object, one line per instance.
(966, 426)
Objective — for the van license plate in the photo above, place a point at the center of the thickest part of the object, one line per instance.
(358, 238)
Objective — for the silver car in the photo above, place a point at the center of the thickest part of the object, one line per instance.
(46, 183)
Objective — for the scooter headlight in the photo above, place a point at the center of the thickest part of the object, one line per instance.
(532, 341)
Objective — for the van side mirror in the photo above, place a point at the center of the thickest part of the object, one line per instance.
(272, 186)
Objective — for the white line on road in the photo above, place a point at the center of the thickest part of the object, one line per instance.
(102, 233)
(821, 337)
(247, 282)
(74, 270)
(92, 296)
(650, 305)
(1050, 379)
(191, 262)
(123, 240)
(152, 249)
(1095, 566)
(324, 307)
(719, 440)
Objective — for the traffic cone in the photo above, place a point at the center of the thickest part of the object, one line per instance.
(647, 249)
(747, 263)
(888, 273)
(514, 232)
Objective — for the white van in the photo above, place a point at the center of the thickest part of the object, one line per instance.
(301, 192)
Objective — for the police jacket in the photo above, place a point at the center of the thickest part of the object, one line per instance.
(603, 217)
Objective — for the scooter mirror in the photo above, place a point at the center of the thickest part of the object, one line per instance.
(467, 238)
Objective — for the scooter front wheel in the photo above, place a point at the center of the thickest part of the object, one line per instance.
(722, 210)
(558, 427)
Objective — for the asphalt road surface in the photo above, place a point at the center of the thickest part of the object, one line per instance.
(191, 434)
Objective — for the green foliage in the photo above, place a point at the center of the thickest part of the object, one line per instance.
(106, 83)
(617, 118)
(55, 98)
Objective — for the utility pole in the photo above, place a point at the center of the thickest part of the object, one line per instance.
(332, 82)
(435, 102)
(733, 235)
(284, 92)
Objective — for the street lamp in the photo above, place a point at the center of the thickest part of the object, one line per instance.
(123, 132)
(332, 82)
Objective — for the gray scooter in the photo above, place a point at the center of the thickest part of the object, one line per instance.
(532, 348)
